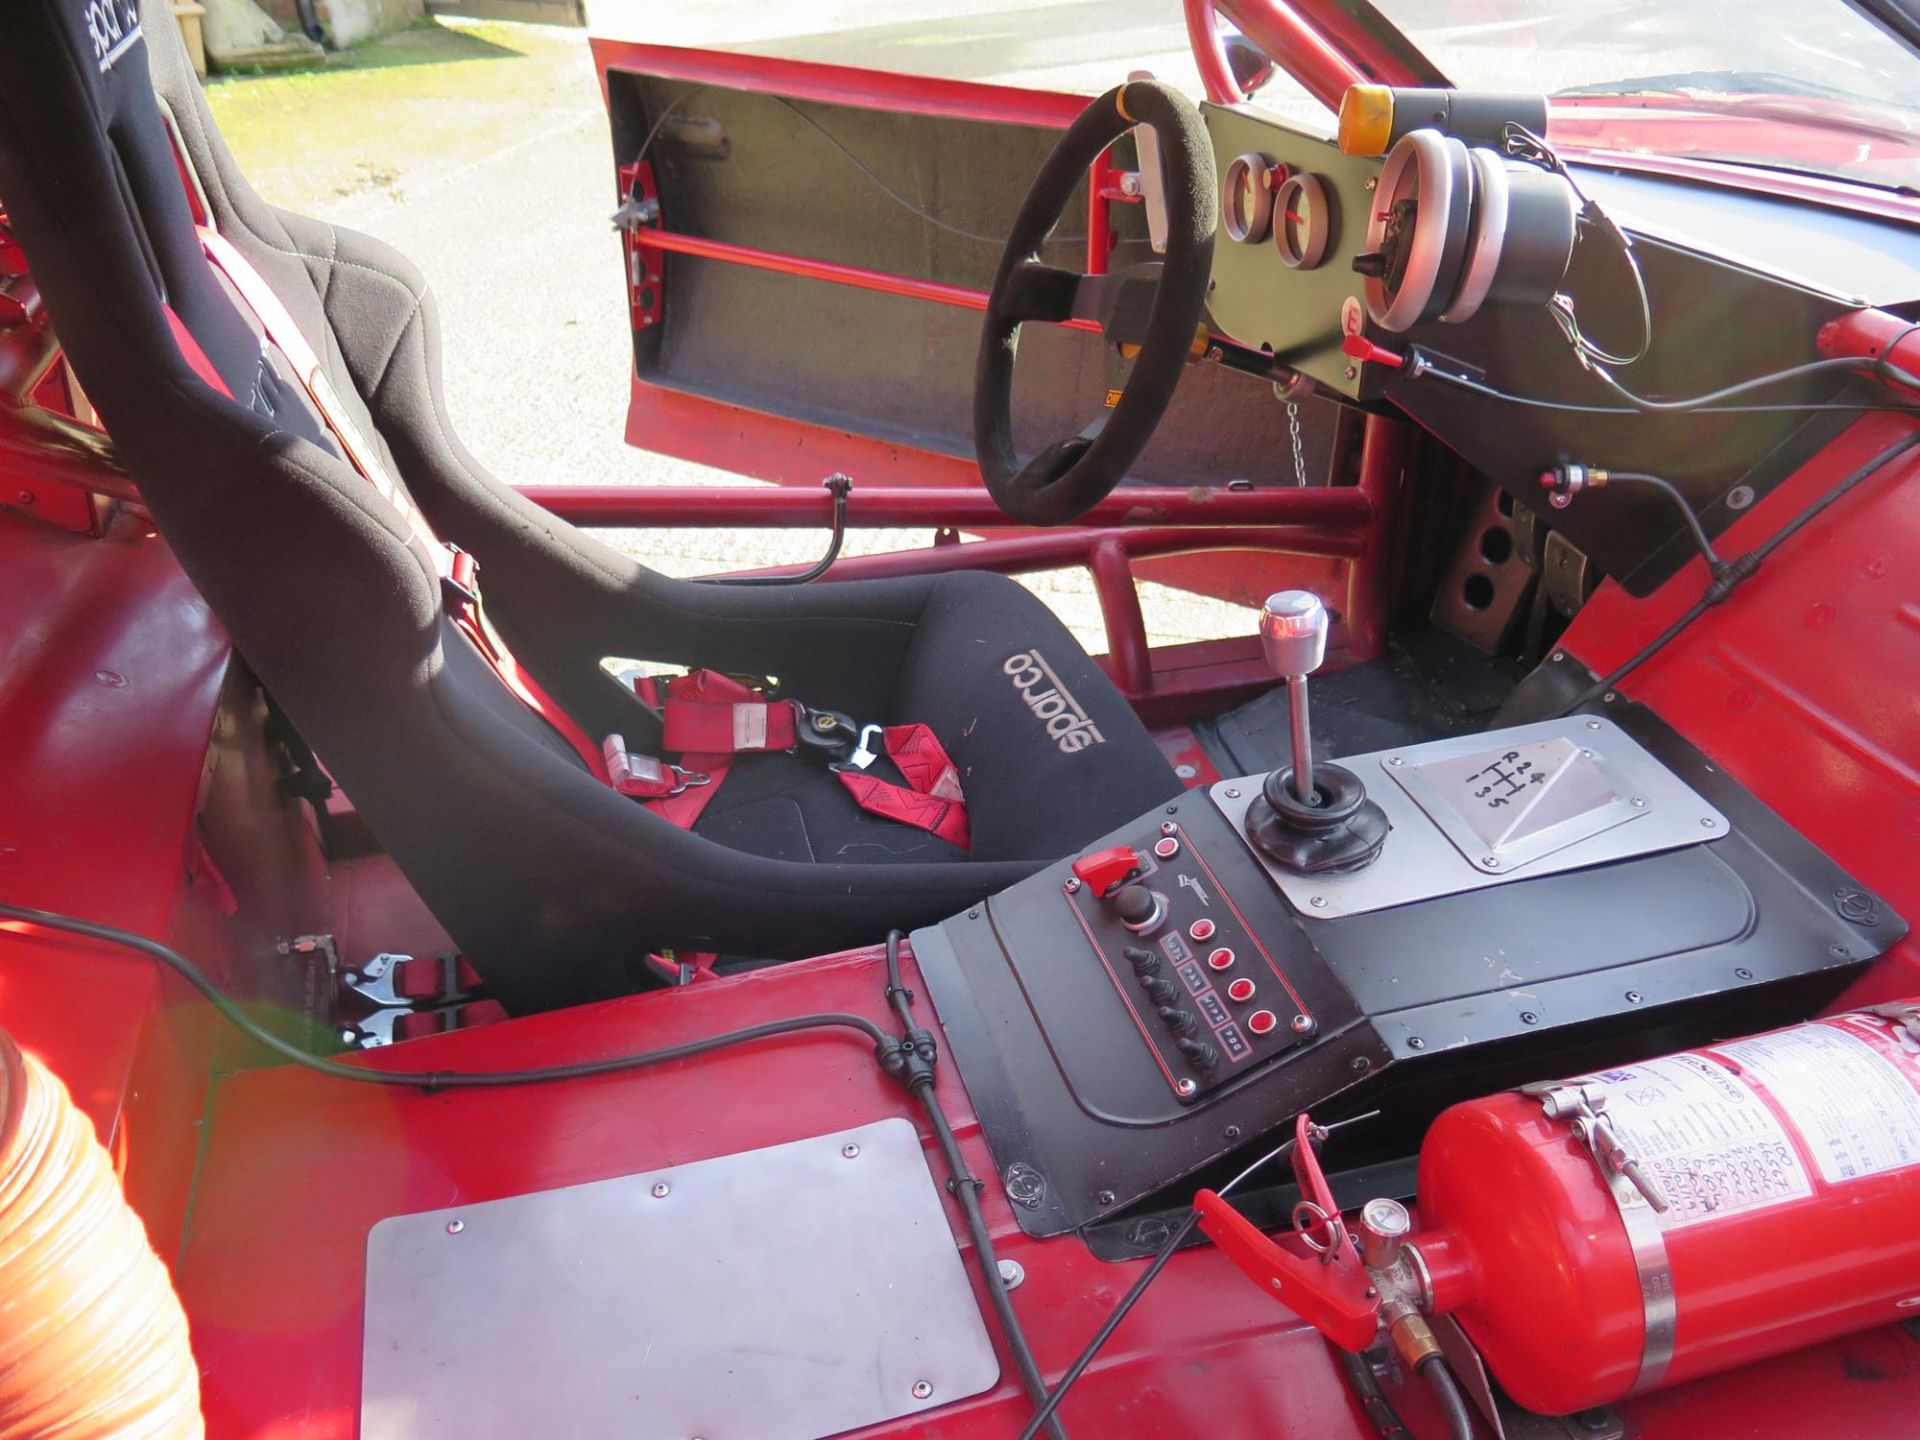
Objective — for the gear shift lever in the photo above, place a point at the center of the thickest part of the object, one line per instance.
(1293, 637)
(1311, 820)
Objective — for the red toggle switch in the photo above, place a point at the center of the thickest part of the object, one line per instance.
(1361, 348)
(1104, 870)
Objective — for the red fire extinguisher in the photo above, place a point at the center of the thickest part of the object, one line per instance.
(1601, 1236)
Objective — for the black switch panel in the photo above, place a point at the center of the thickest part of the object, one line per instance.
(1207, 997)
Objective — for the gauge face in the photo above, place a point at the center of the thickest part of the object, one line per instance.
(1302, 222)
(1246, 197)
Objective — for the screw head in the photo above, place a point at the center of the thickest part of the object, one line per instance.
(1489, 862)
(1742, 973)
(1105, 1197)
(661, 1189)
(1359, 1063)
(1372, 182)
(1351, 373)
(1559, 655)
(1527, 1017)
(1634, 997)
(1231, 792)
(922, 1390)
(1318, 902)
(1304, 1025)
(1639, 802)
(1707, 822)
(1232, 1132)
(1167, 827)
(1396, 760)
(1184, 1087)
(1012, 1272)
(1593, 724)
(1610, 697)
(1072, 885)
(1414, 1042)
(973, 914)
(849, 1151)
(454, 1227)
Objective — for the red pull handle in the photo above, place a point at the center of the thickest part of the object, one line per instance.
(1333, 1297)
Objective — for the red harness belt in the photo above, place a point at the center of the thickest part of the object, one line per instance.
(934, 802)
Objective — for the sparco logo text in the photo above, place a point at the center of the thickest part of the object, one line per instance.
(1051, 702)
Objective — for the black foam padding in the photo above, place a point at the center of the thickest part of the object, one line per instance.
(554, 885)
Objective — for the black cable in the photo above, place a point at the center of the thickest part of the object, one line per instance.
(1386, 1421)
(1728, 392)
(1446, 1389)
(865, 169)
(840, 485)
(918, 1055)
(1680, 503)
(433, 1080)
(1735, 571)
(1132, 1297)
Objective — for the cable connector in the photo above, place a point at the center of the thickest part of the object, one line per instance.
(910, 1061)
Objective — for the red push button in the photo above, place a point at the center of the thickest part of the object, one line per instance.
(1104, 869)
(1240, 991)
(1201, 929)
(1220, 959)
(1166, 848)
(1262, 1022)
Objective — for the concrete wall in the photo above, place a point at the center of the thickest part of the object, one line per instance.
(348, 22)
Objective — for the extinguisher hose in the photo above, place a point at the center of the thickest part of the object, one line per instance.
(93, 1342)
(1446, 1389)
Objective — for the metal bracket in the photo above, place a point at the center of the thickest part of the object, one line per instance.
(1584, 1108)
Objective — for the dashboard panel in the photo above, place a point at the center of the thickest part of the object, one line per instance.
(1729, 296)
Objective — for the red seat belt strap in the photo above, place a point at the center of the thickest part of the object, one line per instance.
(934, 802)
(707, 713)
(191, 352)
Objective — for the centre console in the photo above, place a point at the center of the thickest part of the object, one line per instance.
(1393, 932)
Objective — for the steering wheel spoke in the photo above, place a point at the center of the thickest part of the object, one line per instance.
(1039, 291)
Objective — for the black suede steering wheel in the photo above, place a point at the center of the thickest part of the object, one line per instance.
(1071, 476)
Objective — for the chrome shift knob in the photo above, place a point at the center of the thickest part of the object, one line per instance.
(1293, 632)
(1293, 637)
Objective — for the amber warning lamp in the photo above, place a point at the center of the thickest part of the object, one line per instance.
(1374, 117)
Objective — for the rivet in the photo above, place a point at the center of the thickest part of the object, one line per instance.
(1351, 373)
(1318, 902)
(1559, 655)
(973, 914)
(1231, 793)
(1739, 497)
(1303, 1025)
(1610, 697)
(1396, 760)
(1593, 724)
(454, 1227)
(1586, 754)
(1184, 1087)
(112, 679)
(1742, 973)
(1172, 808)
(1707, 822)
(1167, 827)
(26, 497)
(1105, 1197)
(1414, 1042)
(1489, 862)
(1012, 1272)
(1639, 802)
(1838, 950)
(922, 1390)
(1634, 997)
(1072, 885)
(849, 1151)
(1232, 1132)
(1527, 1017)
(1372, 181)
(1359, 1063)
(661, 1190)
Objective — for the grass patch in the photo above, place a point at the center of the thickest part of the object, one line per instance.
(397, 108)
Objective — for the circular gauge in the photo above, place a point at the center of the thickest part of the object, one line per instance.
(1246, 197)
(1417, 230)
(1302, 222)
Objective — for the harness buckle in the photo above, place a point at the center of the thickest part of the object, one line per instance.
(863, 755)
(827, 735)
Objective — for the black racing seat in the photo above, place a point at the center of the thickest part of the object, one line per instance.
(555, 885)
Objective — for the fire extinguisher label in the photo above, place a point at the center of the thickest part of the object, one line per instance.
(1710, 1141)
(1849, 1087)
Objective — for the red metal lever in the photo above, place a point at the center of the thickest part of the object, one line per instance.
(1102, 870)
(1363, 349)
(1333, 1298)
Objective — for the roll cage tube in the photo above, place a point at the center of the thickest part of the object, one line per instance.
(1070, 476)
